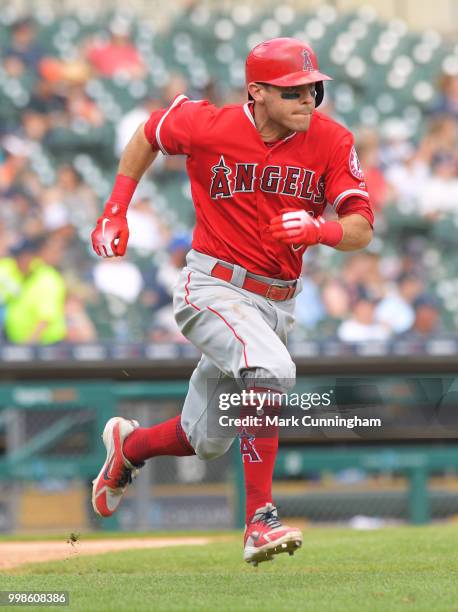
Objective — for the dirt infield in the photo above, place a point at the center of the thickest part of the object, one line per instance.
(14, 554)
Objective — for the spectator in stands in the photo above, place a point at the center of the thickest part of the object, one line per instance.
(310, 309)
(10, 285)
(36, 315)
(174, 166)
(148, 231)
(82, 108)
(34, 127)
(336, 299)
(361, 274)
(79, 326)
(118, 277)
(407, 179)
(21, 215)
(176, 84)
(68, 202)
(131, 120)
(427, 322)
(24, 45)
(395, 310)
(61, 72)
(14, 155)
(439, 195)
(368, 146)
(448, 98)
(362, 325)
(164, 326)
(118, 56)
(395, 146)
(441, 137)
(411, 178)
(120, 285)
(169, 271)
(46, 99)
(13, 66)
(212, 92)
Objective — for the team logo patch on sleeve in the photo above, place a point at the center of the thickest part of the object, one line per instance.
(354, 165)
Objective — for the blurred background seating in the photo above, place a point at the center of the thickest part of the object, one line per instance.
(73, 87)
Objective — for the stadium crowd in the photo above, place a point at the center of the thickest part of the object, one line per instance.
(60, 140)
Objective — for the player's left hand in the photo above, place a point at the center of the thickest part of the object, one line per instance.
(296, 227)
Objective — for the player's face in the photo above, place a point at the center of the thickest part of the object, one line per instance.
(290, 107)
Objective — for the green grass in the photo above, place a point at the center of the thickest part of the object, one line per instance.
(407, 568)
(120, 535)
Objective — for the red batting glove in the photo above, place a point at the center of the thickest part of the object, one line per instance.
(109, 239)
(299, 227)
(110, 236)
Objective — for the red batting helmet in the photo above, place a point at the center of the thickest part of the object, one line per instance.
(285, 62)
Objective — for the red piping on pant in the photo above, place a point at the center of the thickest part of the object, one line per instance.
(186, 297)
(233, 331)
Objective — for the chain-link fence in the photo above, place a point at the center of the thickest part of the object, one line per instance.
(50, 449)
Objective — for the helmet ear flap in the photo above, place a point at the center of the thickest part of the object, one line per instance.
(319, 88)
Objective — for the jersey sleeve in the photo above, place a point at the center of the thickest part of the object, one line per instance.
(355, 205)
(344, 177)
(170, 130)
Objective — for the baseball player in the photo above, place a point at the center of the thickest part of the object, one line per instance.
(261, 175)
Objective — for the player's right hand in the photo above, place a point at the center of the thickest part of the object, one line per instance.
(110, 236)
(296, 226)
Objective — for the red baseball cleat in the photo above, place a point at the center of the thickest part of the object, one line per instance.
(265, 536)
(117, 472)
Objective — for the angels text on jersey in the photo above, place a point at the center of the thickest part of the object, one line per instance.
(245, 177)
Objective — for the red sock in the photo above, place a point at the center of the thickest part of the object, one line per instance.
(164, 439)
(258, 448)
(258, 455)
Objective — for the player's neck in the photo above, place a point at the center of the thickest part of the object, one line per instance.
(269, 130)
